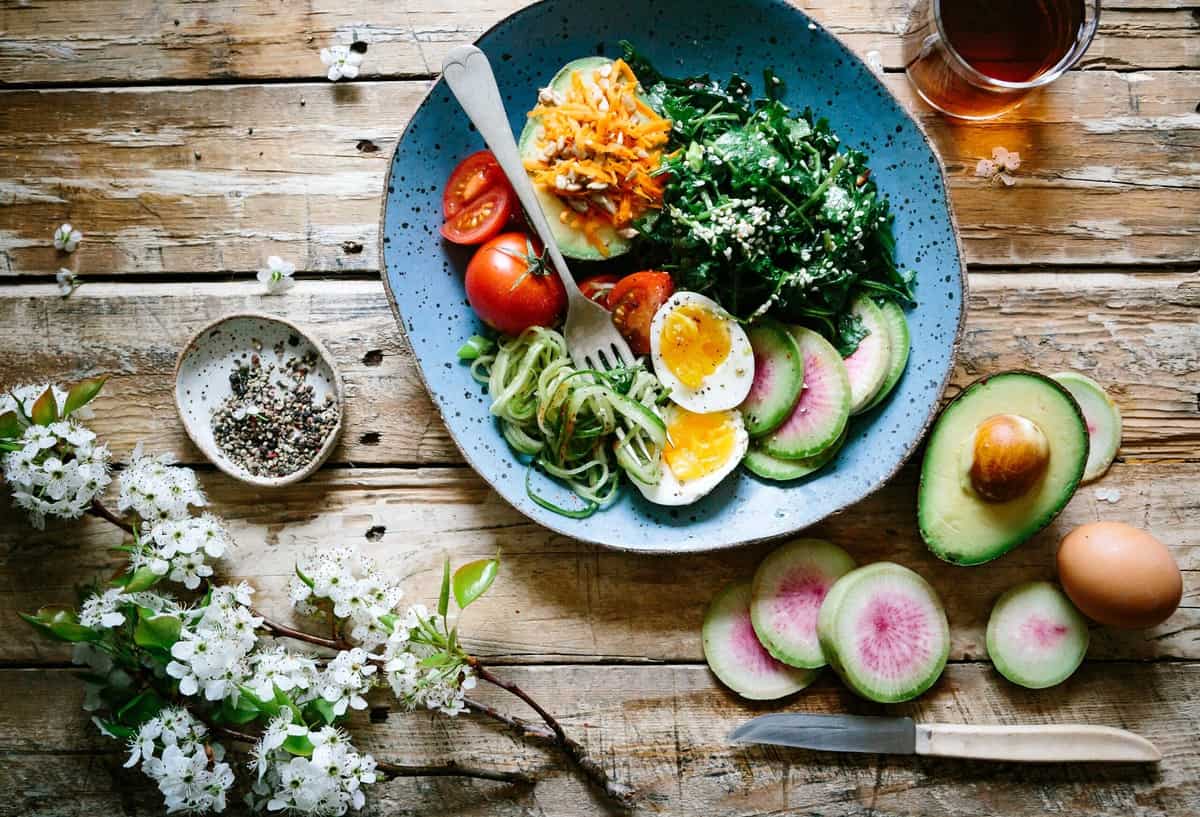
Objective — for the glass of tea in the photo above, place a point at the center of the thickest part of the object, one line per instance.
(976, 59)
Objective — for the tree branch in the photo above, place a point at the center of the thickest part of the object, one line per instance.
(98, 509)
(283, 631)
(615, 790)
(527, 729)
(392, 770)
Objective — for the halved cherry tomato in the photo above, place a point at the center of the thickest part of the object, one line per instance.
(474, 174)
(597, 287)
(482, 219)
(510, 287)
(633, 302)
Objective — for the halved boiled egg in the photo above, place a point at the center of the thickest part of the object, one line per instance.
(701, 354)
(700, 451)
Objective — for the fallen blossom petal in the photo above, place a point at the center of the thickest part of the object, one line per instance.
(986, 168)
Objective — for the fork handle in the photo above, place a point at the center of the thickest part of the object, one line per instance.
(469, 74)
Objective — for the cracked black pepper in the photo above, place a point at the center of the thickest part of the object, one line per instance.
(273, 425)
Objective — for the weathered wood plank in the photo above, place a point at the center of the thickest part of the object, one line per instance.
(213, 179)
(1136, 333)
(119, 42)
(663, 730)
(560, 599)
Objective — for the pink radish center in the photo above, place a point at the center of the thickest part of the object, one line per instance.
(798, 601)
(864, 355)
(1043, 632)
(893, 636)
(810, 394)
(748, 651)
(761, 387)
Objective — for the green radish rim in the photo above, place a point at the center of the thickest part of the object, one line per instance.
(820, 415)
(866, 610)
(735, 655)
(763, 465)
(1036, 637)
(778, 378)
(901, 340)
(1102, 418)
(786, 594)
(571, 242)
(870, 363)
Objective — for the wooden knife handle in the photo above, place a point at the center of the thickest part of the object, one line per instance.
(1036, 744)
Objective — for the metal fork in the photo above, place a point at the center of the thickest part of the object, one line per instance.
(592, 340)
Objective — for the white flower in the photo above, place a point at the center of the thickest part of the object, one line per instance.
(157, 491)
(440, 688)
(177, 548)
(278, 667)
(352, 582)
(58, 470)
(346, 678)
(273, 737)
(67, 238)
(68, 281)
(214, 644)
(999, 168)
(328, 783)
(186, 781)
(342, 62)
(102, 611)
(278, 275)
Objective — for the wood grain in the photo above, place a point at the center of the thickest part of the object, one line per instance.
(558, 599)
(114, 41)
(209, 180)
(663, 730)
(1135, 333)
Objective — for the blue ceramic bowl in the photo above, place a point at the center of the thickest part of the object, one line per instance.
(423, 274)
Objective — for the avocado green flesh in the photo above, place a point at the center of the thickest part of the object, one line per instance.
(571, 242)
(956, 523)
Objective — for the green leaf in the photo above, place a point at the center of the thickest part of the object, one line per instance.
(10, 425)
(114, 729)
(156, 630)
(284, 701)
(473, 579)
(141, 579)
(389, 621)
(60, 624)
(298, 745)
(141, 708)
(10, 445)
(305, 579)
(45, 408)
(83, 393)
(269, 708)
(325, 709)
(477, 345)
(243, 712)
(444, 597)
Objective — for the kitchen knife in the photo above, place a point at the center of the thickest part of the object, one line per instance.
(901, 736)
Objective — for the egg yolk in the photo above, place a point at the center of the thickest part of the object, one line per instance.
(698, 444)
(694, 342)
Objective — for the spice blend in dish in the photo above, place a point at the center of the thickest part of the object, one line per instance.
(273, 424)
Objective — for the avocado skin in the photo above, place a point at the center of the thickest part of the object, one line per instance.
(961, 550)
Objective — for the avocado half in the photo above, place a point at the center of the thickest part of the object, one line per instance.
(958, 524)
(571, 242)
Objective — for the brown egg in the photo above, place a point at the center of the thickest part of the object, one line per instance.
(1119, 575)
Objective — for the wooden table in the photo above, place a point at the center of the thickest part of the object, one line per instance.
(189, 140)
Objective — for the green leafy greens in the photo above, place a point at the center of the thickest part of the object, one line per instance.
(763, 210)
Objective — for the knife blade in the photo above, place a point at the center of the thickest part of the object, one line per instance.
(833, 733)
(1050, 743)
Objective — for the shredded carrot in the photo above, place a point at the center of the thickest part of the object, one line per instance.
(598, 145)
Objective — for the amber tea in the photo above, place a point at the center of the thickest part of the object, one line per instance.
(978, 58)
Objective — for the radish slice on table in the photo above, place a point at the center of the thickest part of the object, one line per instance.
(883, 630)
(735, 655)
(1103, 420)
(786, 597)
(1035, 636)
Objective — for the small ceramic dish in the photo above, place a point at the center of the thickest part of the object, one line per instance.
(202, 382)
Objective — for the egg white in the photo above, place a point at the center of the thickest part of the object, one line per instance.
(670, 491)
(725, 388)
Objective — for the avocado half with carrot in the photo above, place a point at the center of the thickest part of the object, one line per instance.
(1002, 460)
(618, 144)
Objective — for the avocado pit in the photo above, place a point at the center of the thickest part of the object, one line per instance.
(1009, 454)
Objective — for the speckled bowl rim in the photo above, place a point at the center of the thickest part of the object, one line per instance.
(338, 392)
(935, 405)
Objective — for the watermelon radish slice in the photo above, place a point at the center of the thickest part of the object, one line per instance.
(786, 596)
(735, 655)
(762, 464)
(820, 414)
(883, 630)
(1035, 636)
(901, 341)
(1103, 420)
(868, 367)
(778, 378)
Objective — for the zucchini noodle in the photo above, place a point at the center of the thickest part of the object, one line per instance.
(579, 425)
